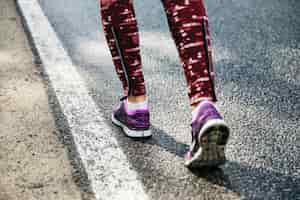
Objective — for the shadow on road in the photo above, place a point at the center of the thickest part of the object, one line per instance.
(167, 142)
(248, 181)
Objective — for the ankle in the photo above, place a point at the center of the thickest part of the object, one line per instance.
(137, 99)
(139, 103)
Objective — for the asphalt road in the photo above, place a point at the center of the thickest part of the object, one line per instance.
(257, 62)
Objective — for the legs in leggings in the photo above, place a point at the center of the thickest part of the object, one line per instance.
(188, 24)
(121, 32)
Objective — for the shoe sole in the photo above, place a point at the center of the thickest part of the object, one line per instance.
(131, 133)
(212, 139)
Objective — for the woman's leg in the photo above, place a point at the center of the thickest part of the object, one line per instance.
(188, 23)
(189, 26)
(121, 32)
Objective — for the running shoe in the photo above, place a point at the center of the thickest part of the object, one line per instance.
(135, 124)
(209, 138)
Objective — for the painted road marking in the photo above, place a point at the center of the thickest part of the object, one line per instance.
(104, 162)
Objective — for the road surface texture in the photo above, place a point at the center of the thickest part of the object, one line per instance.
(257, 62)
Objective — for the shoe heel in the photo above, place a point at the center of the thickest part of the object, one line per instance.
(211, 155)
(213, 144)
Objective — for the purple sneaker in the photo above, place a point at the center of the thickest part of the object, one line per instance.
(135, 124)
(209, 138)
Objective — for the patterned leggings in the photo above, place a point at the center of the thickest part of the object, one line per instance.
(188, 24)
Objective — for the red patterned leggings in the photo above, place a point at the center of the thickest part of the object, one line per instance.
(188, 23)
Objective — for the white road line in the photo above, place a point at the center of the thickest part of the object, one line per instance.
(105, 163)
